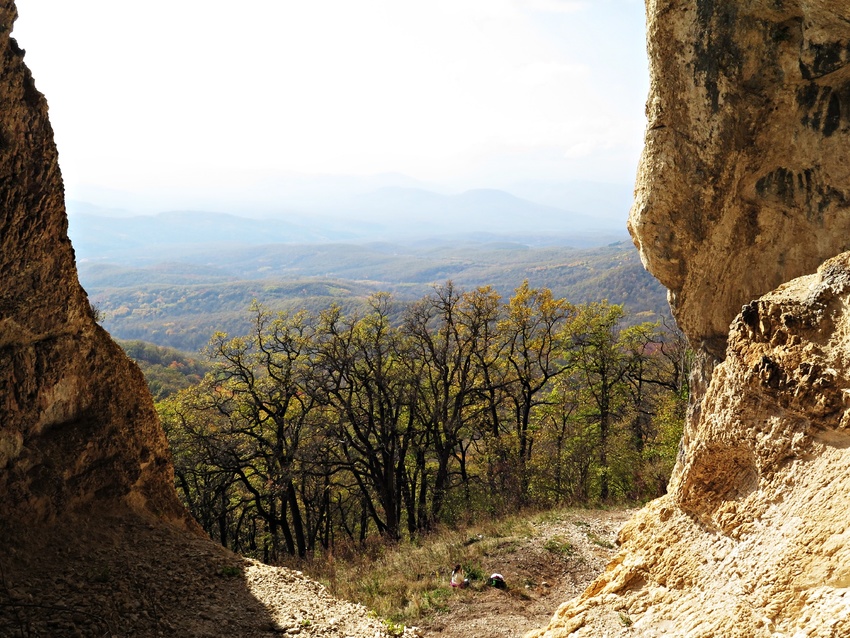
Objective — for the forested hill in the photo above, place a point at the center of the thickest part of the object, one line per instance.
(166, 370)
(181, 303)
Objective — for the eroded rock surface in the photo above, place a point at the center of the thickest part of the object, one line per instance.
(744, 184)
(77, 423)
(753, 538)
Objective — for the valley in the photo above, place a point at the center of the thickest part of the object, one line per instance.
(181, 302)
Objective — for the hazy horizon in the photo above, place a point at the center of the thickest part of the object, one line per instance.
(188, 104)
(353, 197)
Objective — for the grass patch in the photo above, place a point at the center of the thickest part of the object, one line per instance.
(560, 546)
(593, 538)
(408, 582)
(404, 582)
(394, 629)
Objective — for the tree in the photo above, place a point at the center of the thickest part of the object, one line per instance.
(481, 313)
(657, 382)
(603, 365)
(362, 377)
(313, 427)
(259, 388)
(208, 486)
(534, 352)
(447, 330)
(568, 443)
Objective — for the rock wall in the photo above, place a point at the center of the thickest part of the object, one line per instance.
(744, 181)
(753, 537)
(744, 185)
(77, 423)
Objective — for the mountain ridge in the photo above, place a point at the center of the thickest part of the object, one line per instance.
(387, 214)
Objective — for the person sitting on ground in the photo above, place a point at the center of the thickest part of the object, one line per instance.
(457, 578)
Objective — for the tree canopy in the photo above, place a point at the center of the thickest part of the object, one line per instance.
(319, 428)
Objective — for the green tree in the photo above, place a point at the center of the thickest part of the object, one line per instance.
(447, 331)
(259, 388)
(568, 443)
(535, 353)
(310, 428)
(208, 485)
(658, 389)
(363, 378)
(603, 366)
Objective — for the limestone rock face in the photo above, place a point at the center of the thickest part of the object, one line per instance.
(753, 538)
(744, 181)
(77, 423)
(744, 185)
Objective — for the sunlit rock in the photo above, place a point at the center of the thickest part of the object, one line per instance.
(743, 186)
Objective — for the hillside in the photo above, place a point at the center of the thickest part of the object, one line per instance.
(544, 557)
(180, 304)
(166, 370)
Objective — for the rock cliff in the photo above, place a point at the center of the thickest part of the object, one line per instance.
(744, 181)
(753, 538)
(744, 185)
(77, 423)
(93, 540)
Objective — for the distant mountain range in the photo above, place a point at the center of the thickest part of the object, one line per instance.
(173, 278)
(424, 213)
(387, 214)
(260, 195)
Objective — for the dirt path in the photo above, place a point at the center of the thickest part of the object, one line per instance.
(552, 565)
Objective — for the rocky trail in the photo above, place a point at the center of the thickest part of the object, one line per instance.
(556, 562)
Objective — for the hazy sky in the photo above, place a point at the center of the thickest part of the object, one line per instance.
(174, 93)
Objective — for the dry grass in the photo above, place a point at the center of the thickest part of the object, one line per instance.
(409, 581)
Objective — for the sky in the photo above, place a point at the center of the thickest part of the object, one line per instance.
(185, 96)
